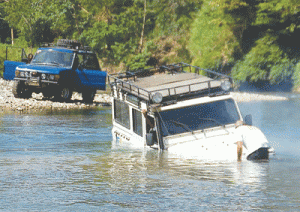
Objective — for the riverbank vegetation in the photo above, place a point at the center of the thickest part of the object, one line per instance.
(252, 40)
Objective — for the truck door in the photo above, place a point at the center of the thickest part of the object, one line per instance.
(89, 72)
(10, 65)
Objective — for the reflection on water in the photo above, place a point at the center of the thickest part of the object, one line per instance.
(159, 181)
(64, 161)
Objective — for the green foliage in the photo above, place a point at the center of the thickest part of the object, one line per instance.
(273, 55)
(14, 53)
(251, 39)
(141, 60)
(117, 38)
(215, 39)
(41, 21)
(173, 16)
(138, 61)
(115, 29)
(259, 39)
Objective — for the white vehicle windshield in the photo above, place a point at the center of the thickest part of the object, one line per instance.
(55, 58)
(198, 117)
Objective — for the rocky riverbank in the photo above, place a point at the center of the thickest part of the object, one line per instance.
(38, 102)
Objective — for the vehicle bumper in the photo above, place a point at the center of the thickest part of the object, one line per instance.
(259, 154)
(36, 82)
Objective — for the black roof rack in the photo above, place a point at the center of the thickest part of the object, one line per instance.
(144, 83)
(69, 44)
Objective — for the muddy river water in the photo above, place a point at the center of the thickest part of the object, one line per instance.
(64, 161)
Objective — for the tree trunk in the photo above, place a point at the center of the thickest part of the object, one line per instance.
(12, 36)
(143, 27)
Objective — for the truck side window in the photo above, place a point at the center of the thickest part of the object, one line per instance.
(150, 124)
(88, 61)
(121, 113)
(137, 122)
(80, 59)
(91, 62)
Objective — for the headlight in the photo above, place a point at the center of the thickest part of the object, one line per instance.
(22, 74)
(43, 76)
(54, 77)
(157, 97)
(225, 85)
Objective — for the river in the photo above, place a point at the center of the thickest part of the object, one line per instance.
(64, 161)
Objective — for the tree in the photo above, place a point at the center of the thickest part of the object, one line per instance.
(256, 39)
(43, 21)
(117, 34)
(4, 27)
(217, 33)
(273, 50)
(266, 61)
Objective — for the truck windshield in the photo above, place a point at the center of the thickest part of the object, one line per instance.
(51, 57)
(198, 117)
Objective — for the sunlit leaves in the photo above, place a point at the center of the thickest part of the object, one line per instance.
(259, 39)
(266, 61)
(213, 41)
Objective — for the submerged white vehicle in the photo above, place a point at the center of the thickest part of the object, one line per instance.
(186, 113)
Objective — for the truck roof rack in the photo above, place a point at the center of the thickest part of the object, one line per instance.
(171, 82)
(69, 44)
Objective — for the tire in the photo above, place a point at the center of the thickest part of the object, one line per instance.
(88, 96)
(63, 94)
(19, 90)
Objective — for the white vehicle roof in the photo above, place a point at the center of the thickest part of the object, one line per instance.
(172, 82)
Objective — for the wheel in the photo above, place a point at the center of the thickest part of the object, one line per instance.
(63, 94)
(19, 90)
(88, 96)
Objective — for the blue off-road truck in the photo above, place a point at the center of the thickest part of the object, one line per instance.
(58, 70)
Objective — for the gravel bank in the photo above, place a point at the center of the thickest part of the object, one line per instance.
(37, 102)
(247, 97)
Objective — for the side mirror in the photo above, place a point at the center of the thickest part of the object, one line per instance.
(150, 139)
(248, 119)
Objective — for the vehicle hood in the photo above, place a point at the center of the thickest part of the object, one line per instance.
(42, 68)
(251, 136)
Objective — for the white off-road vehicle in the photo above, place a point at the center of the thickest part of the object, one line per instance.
(182, 109)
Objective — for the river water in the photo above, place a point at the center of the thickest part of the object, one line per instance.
(64, 161)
